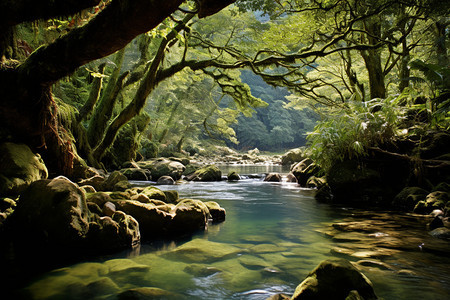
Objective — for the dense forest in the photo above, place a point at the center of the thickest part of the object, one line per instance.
(190, 82)
(355, 93)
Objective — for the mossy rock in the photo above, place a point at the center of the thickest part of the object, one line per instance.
(233, 176)
(408, 198)
(19, 167)
(153, 222)
(304, 170)
(137, 174)
(217, 213)
(190, 216)
(203, 251)
(434, 200)
(316, 182)
(208, 173)
(114, 178)
(334, 279)
(171, 196)
(148, 293)
(292, 156)
(54, 211)
(154, 193)
(164, 167)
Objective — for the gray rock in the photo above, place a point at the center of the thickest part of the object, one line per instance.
(166, 180)
(109, 209)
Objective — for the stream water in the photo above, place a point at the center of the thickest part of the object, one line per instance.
(273, 236)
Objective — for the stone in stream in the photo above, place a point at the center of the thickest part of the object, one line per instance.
(273, 177)
(233, 176)
(217, 213)
(163, 167)
(335, 279)
(208, 173)
(137, 174)
(165, 180)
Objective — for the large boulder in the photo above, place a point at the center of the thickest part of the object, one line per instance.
(154, 193)
(137, 174)
(208, 173)
(293, 156)
(334, 279)
(113, 179)
(434, 200)
(162, 167)
(304, 170)
(114, 232)
(408, 198)
(189, 216)
(19, 167)
(55, 213)
(153, 222)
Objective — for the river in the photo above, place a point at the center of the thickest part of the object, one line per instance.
(274, 234)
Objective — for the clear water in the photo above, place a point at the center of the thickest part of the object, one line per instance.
(274, 235)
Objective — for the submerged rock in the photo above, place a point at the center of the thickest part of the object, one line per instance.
(441, 233)
(148, 293)
(203, 251)
(19, 167)
(335, 279)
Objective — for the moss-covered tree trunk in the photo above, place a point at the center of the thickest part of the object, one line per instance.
(27, 110)
(372, 60)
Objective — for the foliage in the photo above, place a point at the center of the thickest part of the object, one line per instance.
(350, 132)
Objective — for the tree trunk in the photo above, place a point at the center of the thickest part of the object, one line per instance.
(105, 107)
(27, 111)
(140, 98)
(372, 60)
(93, 95)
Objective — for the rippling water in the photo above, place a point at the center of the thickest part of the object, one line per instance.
(274, 234)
